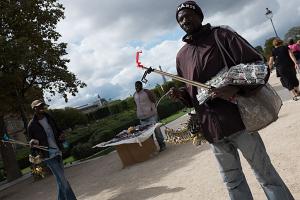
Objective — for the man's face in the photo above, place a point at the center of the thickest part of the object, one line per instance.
(189, 20)
(39, 109)
(138, 87)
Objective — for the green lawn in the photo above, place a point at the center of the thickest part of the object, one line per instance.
(26, 170)
(69, 160)
(175, 116)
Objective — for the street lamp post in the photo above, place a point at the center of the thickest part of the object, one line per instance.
(269, 15)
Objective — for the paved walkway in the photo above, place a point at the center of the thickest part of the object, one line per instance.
(181, 172)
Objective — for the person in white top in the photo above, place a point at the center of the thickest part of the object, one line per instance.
(146, 110)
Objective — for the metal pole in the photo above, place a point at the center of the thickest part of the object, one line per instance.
(269, 15)
(163, 77)
(178, 78)
(273, 27)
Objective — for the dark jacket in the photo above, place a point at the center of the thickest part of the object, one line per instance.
(36, 131)
(283, 62)
(200, 60)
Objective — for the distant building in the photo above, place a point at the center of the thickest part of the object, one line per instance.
(88, 108)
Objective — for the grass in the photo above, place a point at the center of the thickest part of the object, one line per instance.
(26, 170)
(173, 117)
(69, 160)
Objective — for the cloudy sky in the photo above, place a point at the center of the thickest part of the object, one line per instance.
(104, 35)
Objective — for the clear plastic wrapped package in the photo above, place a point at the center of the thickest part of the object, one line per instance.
(242, 74)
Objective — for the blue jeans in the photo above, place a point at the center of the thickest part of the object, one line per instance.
(253, 149)
(65, 191)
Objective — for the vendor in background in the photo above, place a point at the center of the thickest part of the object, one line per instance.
(146, 110)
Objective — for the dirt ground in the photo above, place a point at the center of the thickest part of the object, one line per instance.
(182, 172)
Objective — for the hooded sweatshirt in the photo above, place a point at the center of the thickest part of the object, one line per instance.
(200, 60)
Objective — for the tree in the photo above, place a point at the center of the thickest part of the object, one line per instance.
(30, 55)
(293, 33)
(158, 91)
(8, 155)
(68, 117)
(30, 50)
(260, 50)
(268, 48)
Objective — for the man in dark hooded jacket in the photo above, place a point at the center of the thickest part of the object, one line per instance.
(42, 130)
(199, 60)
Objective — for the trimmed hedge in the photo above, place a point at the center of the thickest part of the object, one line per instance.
(83, 150)
(167, 107)
(102, 131)
(99, 114)
(101, 136)
(22, 156)
(68, 117)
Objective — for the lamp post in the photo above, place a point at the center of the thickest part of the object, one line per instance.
(269, 15)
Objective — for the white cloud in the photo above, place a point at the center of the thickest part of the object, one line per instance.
(103, 37)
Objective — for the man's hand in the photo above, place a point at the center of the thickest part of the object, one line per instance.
(33, 142)
(225, 92)
(174, 94)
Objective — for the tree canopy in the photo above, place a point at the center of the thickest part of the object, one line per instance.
(32, 61)
(293, 33)
(29, 47)
(268, 47)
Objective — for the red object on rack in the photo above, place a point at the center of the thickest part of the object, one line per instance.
(138, 63)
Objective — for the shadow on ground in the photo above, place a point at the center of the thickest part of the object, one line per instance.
(105, 174)
(145, 193)
(136, 178)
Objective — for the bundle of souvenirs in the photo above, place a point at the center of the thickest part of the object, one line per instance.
(242, 74)
(38, 171)
(131, 132)
(190, 131)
